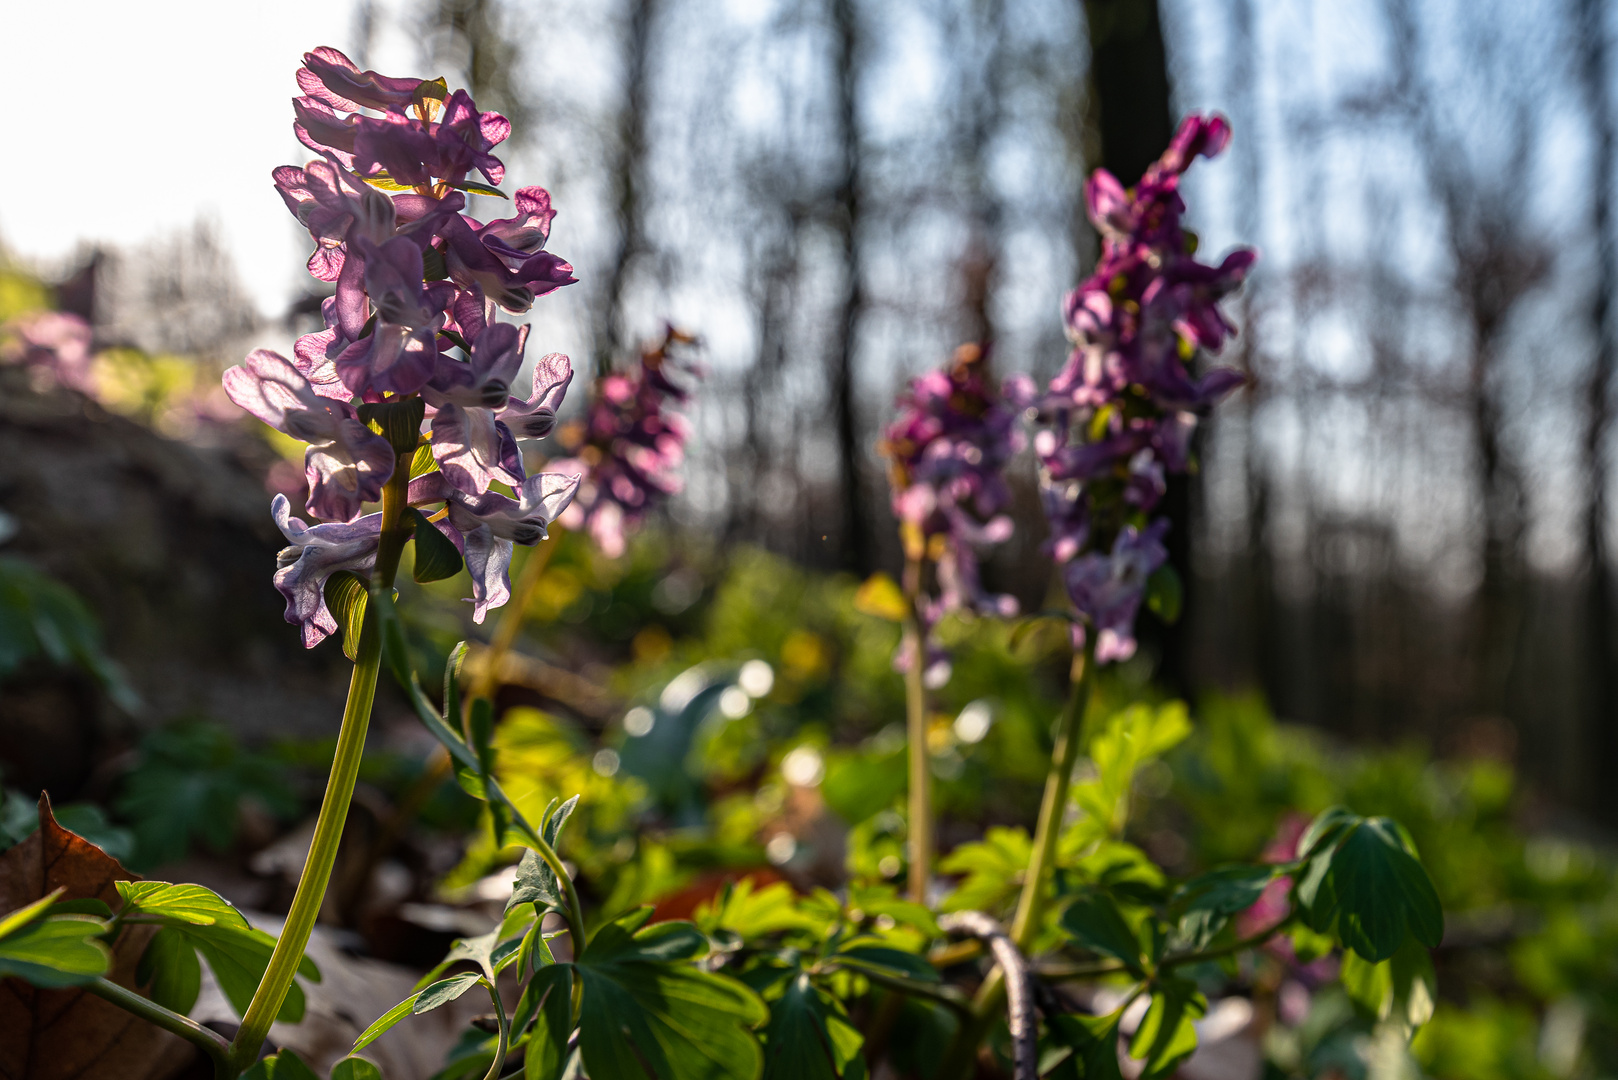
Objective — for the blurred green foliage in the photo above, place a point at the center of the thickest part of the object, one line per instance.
(187, 785)
(41, 618)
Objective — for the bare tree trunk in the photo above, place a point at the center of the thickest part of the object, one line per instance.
(1129, 78)
(856, 539)
(1594, 72)
(979, 260)
(490, 55)
(1257, 573)
(1129, 104)
(608, 339)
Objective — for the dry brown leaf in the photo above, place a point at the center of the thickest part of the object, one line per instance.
(70, 1034)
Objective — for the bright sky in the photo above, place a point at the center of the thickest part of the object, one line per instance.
(136, 119)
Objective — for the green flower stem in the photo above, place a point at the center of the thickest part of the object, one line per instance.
(208, 1041)
(921, 811)
(311, 892)
(946, 996)
(1219, 952)
(990, 999)
(1064, 756)
(452, 740)
(503, 1042)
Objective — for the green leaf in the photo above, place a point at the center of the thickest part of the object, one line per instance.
(383, 1023)
(1095, 922)
(648, 1013)
(879, 595)
(1130, 739)
(423, 462)
(859, 784)
(548, 998)
(1381, 892)
(439, 993)
(386, 183)
(86, 906)
(1209, 900)
(283, 1066)
(56, 951)
(346, 597)
(1328, 826)
(186, 903)
(169, 967)
(536, 881)
(355, 1068)
(452, 682)
(1091, 1040)
(238, 957)
(444, 991)
(1309, 946)
(27, 914)
(809, 1036)
(1164, 594)
(475, 188)
(887, 961)
(1166, 1035)
(992, 869)
(434, 267)
(1225, 890)
(436, 555)
(1403, 987)
(399, 422)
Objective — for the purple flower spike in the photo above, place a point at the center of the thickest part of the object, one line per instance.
(346, 464)
(629, 445)
(947, 454)
(1118, 418)
(414, 279)
(316, 553)
(535, 417)
(333, 78)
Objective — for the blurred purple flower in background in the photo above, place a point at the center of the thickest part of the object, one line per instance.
(947, 455)
(629, 445)
(1119, 416)
(54, 345)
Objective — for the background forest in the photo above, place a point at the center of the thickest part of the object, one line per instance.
(1397, 552)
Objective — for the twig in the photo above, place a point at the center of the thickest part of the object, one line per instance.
(1019, 983)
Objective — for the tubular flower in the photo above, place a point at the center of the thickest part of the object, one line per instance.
(947, 453)
(417, 283)
(1118, 418)
(486, 526)
(315, 554)
(629, 446)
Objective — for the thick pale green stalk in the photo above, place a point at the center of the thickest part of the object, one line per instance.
(311, 892)
(991, 996)
(208, 1041)
(921, 808)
